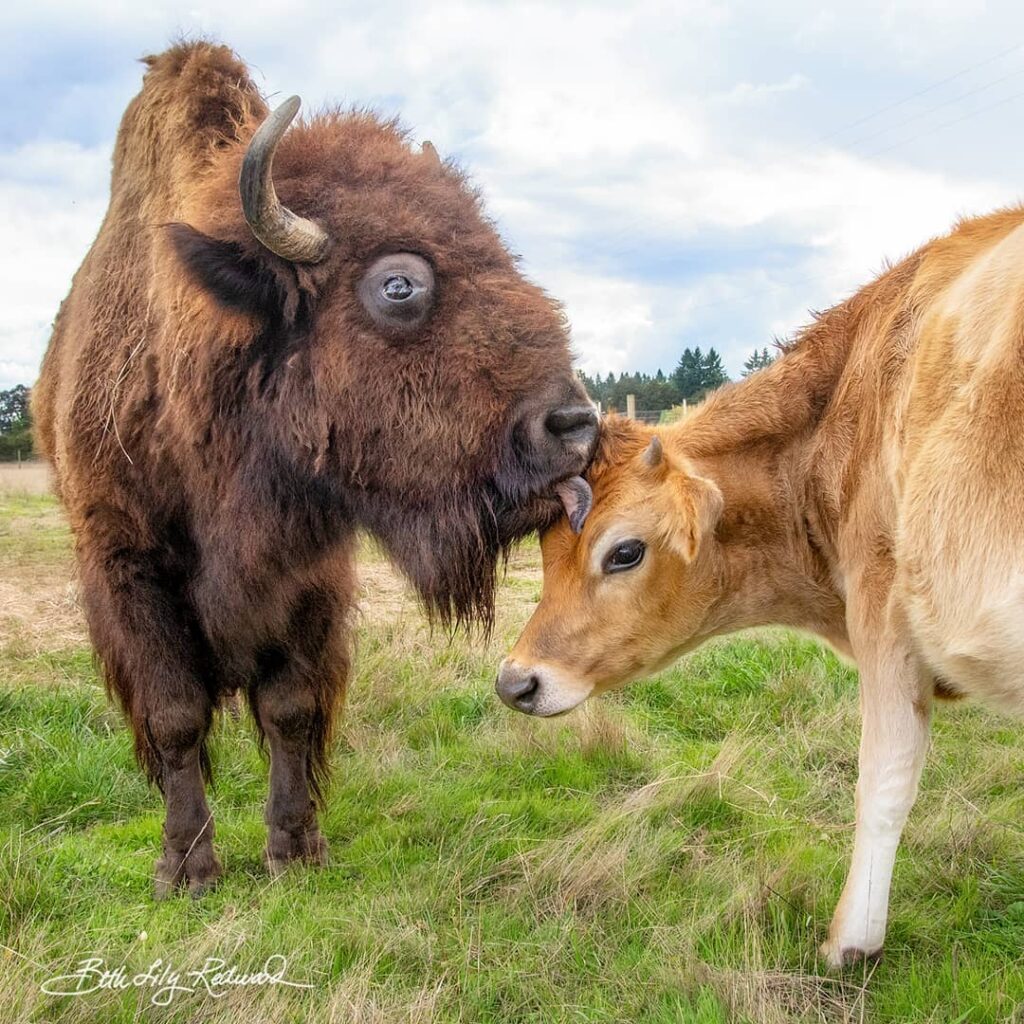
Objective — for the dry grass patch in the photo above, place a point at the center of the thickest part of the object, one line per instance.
(25, 478)
(635, 837)
(768, 996)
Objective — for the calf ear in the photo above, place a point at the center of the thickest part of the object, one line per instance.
(697, 507)
(235, 279)
(576, 498)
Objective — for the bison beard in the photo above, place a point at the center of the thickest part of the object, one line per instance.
(451, 551)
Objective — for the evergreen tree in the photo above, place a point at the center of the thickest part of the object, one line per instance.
(714, 375)
(653, 392)
(757, 361)
(697, 373)
(688, 374)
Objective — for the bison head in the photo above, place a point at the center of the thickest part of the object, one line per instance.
(380, 339)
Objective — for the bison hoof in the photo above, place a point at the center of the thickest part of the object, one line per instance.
(284, 848)
(839, 955)
(198, 869)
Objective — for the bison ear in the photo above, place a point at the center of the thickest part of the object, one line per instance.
(236, 280)
(431, 154)
(697, 506)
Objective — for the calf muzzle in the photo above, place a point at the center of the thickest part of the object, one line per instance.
(541, 689)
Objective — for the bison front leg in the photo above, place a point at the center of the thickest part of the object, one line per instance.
(177, 736)
(153, 654)
(895, 714)
(294, 708)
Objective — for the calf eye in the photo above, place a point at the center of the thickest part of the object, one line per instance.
(398, 292)
(627, 555)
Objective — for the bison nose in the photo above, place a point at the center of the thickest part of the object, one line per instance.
(518, 687)
(573, 424)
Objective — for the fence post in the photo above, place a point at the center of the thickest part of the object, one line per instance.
(684, 407)
(631, 407)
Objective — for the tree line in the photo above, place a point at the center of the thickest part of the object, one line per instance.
(15, 424)
(696, 374)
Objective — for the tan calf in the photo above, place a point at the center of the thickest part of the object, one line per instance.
(868, 487)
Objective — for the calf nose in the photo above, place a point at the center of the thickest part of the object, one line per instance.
(573, 424)
(518, 687)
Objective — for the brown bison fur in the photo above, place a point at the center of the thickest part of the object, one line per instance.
(221, 422)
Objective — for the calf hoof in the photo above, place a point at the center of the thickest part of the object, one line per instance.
(198, 869)
(285, 848)
(840, 955)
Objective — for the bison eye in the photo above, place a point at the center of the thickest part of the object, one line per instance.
(397, 291)
(627, 555)
(398, 288)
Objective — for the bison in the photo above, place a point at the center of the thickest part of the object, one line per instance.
(237, 384)
(868, 487)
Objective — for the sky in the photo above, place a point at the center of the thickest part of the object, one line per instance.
(677, 174)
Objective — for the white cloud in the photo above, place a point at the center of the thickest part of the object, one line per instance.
(52, 198)
(611, 318)
(761, 92)
(848, 216)
(610, 141)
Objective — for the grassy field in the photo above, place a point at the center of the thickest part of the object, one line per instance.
(671, 853)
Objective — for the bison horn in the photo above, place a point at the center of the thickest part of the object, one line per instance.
(281, 231)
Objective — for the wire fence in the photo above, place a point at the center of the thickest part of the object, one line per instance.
(652, 417)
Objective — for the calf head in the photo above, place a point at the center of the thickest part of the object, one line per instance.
(630, 575)
(377, 340)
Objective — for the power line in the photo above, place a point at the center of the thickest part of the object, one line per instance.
(948, 124)
(936, 106)
(921, 92)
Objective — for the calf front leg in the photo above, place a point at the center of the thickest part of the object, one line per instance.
(895, 716)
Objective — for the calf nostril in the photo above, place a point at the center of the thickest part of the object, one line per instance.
(526, 692)
(517, 688)
(581, 419)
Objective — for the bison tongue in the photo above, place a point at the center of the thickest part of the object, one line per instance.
(577, 499)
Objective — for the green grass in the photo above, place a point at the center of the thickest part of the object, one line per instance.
(670, 853)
